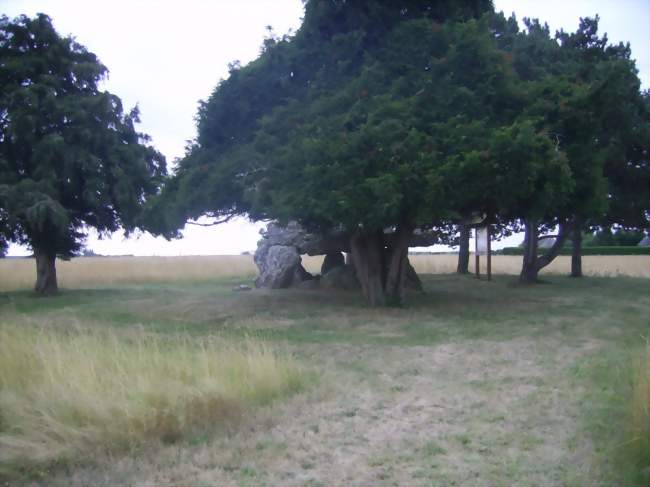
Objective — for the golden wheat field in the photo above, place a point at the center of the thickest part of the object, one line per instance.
(18, 274)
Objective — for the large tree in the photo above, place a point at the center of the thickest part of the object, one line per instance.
(374, 116)
(586, 96)
(604, 133)
(69, 157)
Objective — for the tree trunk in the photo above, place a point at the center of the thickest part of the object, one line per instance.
(529, 269)
(368, 256)
(576, 249)
(46, 283)
(412, 281)
(398, 266)
(532, 262)
(463, 251)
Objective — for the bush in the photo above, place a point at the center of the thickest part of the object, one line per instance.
(607, 238)
(65, 394)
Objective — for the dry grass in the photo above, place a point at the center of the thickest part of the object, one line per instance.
(641, 407)
(84, 272)
(593, 265)
(93, 271)
(66, 393)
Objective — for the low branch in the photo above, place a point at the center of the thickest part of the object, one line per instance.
(213, 223)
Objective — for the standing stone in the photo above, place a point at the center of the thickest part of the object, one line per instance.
(332, 261)
(279, 267)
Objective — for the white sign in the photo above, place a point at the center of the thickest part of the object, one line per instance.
(482, 240)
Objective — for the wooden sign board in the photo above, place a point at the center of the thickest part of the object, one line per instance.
(482, 240)
(483, 247)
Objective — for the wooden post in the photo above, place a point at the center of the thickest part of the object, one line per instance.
(477, 259)
(489, 254)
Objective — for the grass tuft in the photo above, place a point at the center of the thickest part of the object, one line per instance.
(68, 393)
(641, 408)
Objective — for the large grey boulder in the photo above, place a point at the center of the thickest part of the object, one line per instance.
(341, 277)
(280, 266)
(294, 235)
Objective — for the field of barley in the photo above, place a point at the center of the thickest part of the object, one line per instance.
(83, 272)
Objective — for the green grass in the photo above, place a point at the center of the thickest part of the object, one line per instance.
(616, 406)
(640, 442)
(610, 313)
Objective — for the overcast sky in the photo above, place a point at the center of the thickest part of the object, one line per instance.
(166, 56)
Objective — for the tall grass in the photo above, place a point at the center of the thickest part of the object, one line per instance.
(69, 393)
(641, 408)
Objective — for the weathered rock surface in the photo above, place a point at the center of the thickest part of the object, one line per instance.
(279, 265)
(341, 277)
(294, 235)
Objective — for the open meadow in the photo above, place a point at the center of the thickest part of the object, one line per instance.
(153, 371)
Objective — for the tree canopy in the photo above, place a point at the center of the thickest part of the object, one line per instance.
(70, 158)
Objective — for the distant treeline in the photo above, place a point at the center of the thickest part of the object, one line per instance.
(591, 250)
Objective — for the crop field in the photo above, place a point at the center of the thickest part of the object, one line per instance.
(154, 371)
(16, 274)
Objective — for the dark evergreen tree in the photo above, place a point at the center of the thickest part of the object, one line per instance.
(69, 157)
(372, 117)
(585, 95)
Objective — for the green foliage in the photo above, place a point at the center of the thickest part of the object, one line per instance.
(371, 116)
(587, 95)
(69, 157)
(608, 238)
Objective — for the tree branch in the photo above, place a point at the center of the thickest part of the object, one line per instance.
(213, 223)
(544, 237)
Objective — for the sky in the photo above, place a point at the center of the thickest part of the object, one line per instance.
(165, 56)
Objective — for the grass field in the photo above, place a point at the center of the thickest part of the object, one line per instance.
(474, 383)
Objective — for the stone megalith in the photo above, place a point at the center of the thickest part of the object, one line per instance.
(280, 267)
